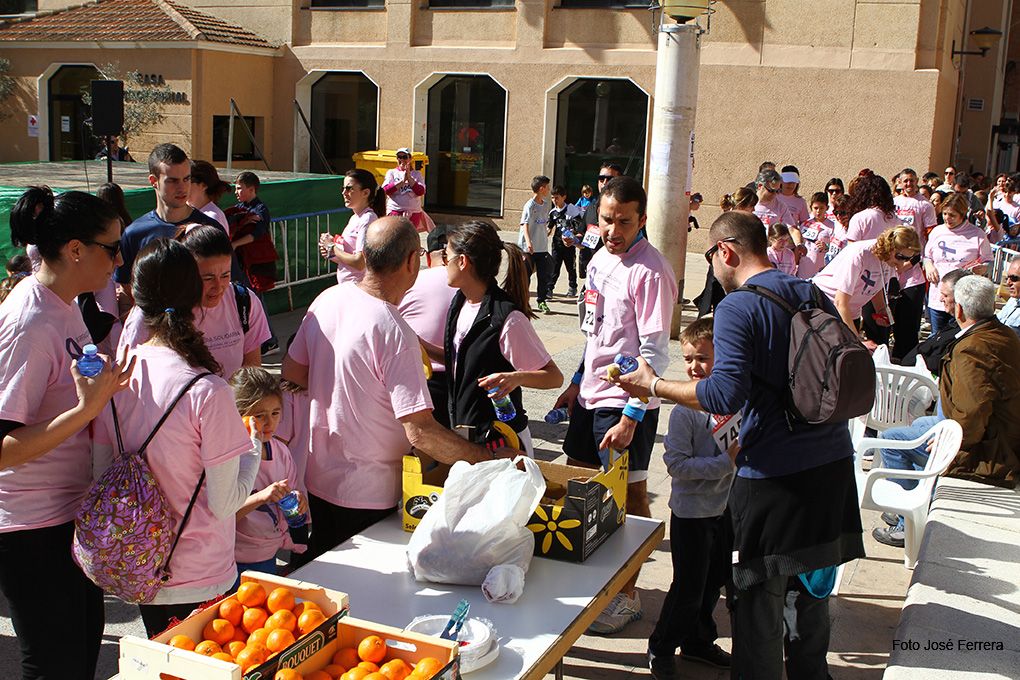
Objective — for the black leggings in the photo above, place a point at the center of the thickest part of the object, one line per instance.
(157, 617)
(59, 621)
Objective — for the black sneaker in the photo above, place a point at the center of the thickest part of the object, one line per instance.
(890, 518)
(270, 346)
(710, 656)
(662, 667)
(889, 536)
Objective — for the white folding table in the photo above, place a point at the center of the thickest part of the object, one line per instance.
(560, 599)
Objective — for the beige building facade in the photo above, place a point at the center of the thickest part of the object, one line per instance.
(497, 94)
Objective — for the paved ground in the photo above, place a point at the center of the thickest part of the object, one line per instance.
(864, 615)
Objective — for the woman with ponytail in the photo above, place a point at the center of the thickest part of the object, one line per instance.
(490, 344)
(45, 408)
(361, 194)
(203, 434)
(224, 311)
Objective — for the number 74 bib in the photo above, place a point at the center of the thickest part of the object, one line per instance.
(726, 429)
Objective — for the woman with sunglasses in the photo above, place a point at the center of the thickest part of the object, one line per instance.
(833, 189)
(862, 271)
(954, 244)
(491, 348)
(362, 196)
(45, 410)
(404, 187)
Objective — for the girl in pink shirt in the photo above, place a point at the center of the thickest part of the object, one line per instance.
(491, 349)
(262, 527)
(362, 196)
(780, 255)
(45, 410)
(202, 445)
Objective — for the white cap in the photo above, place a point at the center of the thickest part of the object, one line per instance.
(404, 149)
(791, 177)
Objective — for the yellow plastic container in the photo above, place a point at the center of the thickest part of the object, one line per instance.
(378, 161)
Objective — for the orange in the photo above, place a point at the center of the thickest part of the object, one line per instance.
(355, 674)
(280, 598)
(372, 649)
(334, 670)
(234, 647)
(182, 642)
(251, 594)
(428, 667)
(375, 676)
(346, 657)
(282, 619)
(223, 656)
(310, 620)
(287, 674)
(240, 634)
(397, 669)
(219, 631)
(318, 675)
(259, 635)
(207, 648)
(301, 607)
(254, 618)
(369, 666)
(251, 656)
(232, 610)
(279, 639)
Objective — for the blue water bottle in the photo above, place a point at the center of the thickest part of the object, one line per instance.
(557, 415)
(289, 505)
(90, 364)
(568, 234)
(626, 364)
(505, 410)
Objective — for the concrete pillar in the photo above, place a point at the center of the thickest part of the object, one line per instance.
(676, 96)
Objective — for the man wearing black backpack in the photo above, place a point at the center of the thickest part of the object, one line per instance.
(794, 499)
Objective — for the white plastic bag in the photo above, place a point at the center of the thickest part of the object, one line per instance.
(478, 525)
(922, 398)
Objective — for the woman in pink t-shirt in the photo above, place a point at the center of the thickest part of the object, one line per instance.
(862, 271)
(872, 206)
(202, 445)
(362, 196)
(954, 244)
(262, 526)
(491, 348)
(404, 187)
(45, 410)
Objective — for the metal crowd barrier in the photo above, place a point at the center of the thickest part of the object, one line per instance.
(1003, 256)
(296, 238)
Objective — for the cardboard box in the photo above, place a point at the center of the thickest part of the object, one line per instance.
(582, 508)
(142, 659)
(401, 644)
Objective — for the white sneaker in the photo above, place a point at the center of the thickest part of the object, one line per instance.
(621, 611)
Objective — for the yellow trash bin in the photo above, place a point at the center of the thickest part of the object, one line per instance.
(378, 161)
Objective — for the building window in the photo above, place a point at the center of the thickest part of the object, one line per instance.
(344, 114)
(614, 4)
(346, 4)
(243, 149)
(70, 137)
(599, 120)
(15, 7)
(466, 128)
(471, 3)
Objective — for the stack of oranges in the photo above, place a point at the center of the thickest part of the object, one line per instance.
(253, 626)
(368, 662)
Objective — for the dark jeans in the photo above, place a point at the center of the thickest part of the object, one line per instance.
(542, 264)
(440, 392)
(907, 308)
(561, 255)
(157, 617)
(57, 612)
(774, 617)
(701, 554)
(584, 257)
(938, 320)
(333, 525)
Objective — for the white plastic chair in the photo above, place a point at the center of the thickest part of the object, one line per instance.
(895, 388)
(880, 493)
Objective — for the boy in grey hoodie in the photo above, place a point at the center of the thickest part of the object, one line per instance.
(699, 457)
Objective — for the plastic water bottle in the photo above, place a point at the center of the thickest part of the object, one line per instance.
(557, 415)
(289, 505)
(505, 410)
(568, 234)
(626, 364)
(90, 364)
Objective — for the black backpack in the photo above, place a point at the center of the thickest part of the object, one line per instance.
(830, 374)
(243, 298)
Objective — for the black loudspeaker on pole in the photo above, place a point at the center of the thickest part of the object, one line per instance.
(107, 115)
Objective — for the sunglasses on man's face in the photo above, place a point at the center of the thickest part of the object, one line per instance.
(606, 178)
(710, 253)
(1013, 278)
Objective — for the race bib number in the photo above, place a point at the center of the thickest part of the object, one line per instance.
(810, 233)
(834, 249)
(726, 429)
(592, 235)
(591, 306)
